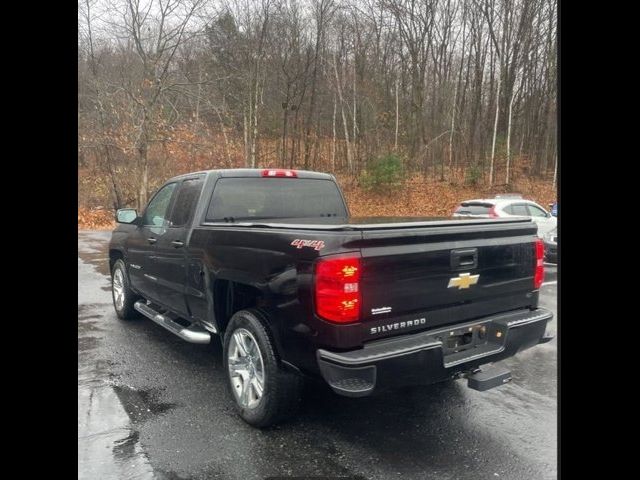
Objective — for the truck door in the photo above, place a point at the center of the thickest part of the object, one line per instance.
(141, 243)
(169, 266)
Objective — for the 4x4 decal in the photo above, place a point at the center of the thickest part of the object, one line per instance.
(316, 244)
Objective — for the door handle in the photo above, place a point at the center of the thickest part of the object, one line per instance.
(152, 240)
(177, 244)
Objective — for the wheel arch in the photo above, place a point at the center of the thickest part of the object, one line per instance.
(231, 297)
(114, 255)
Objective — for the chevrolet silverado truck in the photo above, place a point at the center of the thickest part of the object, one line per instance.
(272, 263)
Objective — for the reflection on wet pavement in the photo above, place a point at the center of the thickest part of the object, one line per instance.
(107, 443)
(107, 446)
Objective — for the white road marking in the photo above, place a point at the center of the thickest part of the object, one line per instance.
(553, 282)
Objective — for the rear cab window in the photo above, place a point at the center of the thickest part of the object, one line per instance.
(265, 198)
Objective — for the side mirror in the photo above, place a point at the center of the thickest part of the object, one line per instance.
(126, 215)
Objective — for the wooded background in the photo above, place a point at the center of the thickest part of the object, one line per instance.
(394, 96)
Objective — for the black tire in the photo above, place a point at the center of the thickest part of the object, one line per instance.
(281, 388)
(126, 310)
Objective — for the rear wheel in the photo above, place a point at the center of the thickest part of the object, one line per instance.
(123, 296)
(263, 391)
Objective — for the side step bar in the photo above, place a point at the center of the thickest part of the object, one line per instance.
(192, 334)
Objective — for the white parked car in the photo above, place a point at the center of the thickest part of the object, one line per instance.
(508, 206)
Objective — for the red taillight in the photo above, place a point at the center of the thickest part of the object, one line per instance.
(538, 277)
(279, 172)
(492, 212)
(337, 289)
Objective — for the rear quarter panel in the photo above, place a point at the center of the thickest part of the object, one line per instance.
(271, 261)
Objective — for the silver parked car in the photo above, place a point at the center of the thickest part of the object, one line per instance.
(510, 205)
(551, 246)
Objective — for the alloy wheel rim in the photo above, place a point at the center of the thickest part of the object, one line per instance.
(246, 368)
(118, 288)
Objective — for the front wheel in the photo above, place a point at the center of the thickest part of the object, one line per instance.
(263, 391)
(123, 296)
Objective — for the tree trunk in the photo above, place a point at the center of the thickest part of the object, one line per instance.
(254, 135)
(144, 177)
(344, 117)
(314, 79)
(245, 125)
(509, 138)
(117, 196)
(227, 150)
(355, 123)
(395, 143)
(333, 145)
(199, 96)
(285, 121)
(453, 125)
(495, 131)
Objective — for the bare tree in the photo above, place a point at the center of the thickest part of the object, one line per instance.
(456, 89)
(106, 158)
(154, 29)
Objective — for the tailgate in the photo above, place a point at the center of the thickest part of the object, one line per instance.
(445, 274)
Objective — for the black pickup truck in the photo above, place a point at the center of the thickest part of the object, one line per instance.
(271, 261)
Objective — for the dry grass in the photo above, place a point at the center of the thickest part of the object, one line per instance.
(95, 219)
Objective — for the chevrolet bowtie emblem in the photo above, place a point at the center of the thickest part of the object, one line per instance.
(464, 280)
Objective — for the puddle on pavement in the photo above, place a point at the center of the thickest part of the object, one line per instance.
(95, 253)
(99, 260)
(126, 447)
(86, 310)
(141, 404)
(92, 372)
(88, 326)
(87, 343)
(108, 442)
(85, 327)
(108, 446)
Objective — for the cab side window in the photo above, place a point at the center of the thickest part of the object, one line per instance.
(156, 213)
(186, 201)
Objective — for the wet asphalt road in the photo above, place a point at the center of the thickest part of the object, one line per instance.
(151, 406)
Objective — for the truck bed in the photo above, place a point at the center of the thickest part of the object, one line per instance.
(408, 264)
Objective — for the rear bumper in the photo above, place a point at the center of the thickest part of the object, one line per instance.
(428, 357)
